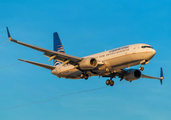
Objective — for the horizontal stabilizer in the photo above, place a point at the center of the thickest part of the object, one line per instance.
(39, 64)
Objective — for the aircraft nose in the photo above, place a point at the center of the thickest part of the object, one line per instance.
(152, 53)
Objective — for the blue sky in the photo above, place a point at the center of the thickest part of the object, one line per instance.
(85, 28)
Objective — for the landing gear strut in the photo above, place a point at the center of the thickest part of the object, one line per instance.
(141, 68)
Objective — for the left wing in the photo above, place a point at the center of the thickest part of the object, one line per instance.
(49, 53)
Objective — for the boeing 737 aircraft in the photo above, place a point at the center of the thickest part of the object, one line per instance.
(111, 63)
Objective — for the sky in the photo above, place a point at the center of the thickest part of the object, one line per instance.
(85, 27)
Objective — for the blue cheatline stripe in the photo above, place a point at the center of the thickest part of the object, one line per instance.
(57, 46)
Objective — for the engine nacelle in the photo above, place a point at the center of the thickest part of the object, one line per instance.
(88, 64)
(132, 74)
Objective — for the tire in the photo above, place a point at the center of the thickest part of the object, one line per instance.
(82, 75)
(141, 68)
(86, 77)
(111, 82)
(107, 82)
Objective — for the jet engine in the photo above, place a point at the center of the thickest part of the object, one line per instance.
(132, 74)
(88, 64)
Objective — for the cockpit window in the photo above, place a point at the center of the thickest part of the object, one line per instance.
(146, 47)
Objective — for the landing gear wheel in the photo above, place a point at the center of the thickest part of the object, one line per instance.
(82, 75)
(111, 82)
(86, 77)
(107, 82)
(141, 68)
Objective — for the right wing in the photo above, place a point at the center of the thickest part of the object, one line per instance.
(49, 53)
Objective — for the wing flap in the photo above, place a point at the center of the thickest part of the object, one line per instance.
(63, 57)
(39, 64)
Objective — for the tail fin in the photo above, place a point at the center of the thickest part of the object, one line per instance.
(58, 47)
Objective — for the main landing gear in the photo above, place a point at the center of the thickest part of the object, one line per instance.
(85, 76)
(109, 82)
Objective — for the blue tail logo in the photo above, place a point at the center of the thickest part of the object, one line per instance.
(58, 47)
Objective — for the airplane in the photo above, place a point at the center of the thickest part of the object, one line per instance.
(111, 63)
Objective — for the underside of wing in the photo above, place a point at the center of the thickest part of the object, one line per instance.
(150, 77)
(62, 57)
(161, 76)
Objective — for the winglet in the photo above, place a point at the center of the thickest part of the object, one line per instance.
(9, 36)
(161, 76)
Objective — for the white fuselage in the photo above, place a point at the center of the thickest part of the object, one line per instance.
(112, 61)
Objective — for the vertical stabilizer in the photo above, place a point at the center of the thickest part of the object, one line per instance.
(58, 47)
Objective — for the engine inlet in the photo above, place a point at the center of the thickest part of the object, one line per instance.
(137, 74)
(93, 62)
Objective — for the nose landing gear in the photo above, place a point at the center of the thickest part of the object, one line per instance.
(141, 68)
(143, 62)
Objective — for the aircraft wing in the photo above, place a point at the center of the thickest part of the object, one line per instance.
(49, 53)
